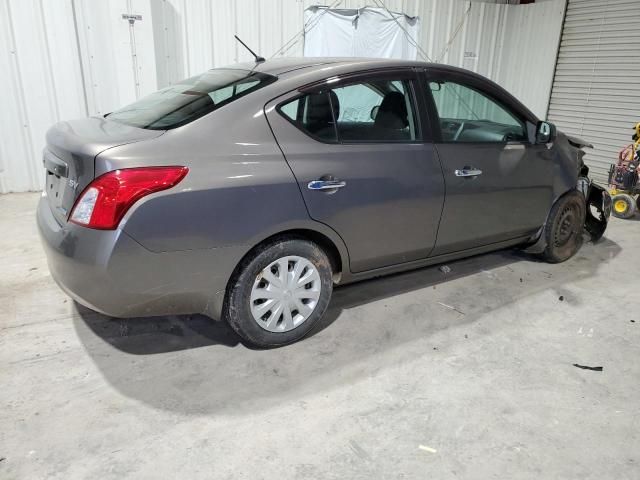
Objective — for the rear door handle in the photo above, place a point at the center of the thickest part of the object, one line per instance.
(468, 172)
(326, 184)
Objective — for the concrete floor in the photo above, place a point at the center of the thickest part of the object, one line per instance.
(420, 375)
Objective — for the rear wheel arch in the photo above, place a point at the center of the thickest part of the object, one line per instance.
(336, 257)
(333, 247)
(336, 252)
(325, 243)
(236, 304)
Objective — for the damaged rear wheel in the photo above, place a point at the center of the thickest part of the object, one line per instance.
(563, 230)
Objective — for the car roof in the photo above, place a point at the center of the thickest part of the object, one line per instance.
(282, 65)
(296, 71)
(293, 66)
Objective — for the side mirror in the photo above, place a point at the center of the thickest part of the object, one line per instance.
(374, 112)
(545, 132)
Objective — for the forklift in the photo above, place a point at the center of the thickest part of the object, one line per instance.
(623, 179)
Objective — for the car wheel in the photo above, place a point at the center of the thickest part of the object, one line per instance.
(623, 206)
(563, 230)
(279, 292)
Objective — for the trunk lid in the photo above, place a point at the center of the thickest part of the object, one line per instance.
(69, 156)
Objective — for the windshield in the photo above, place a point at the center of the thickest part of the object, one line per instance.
(192, 98)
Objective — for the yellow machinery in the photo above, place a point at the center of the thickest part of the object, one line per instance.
(623, 179)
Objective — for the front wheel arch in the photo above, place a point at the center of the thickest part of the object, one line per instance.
(538, 243)
(564, 226)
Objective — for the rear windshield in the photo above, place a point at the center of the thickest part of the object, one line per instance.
(192, 98)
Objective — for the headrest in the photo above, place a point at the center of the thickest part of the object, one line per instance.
(319, 107)
(392, 112)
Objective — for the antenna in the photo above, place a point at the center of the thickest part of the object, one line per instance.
(258, 58)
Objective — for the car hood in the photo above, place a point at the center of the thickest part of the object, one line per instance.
(578, 142)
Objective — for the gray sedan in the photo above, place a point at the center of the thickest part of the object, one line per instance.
(246, 193)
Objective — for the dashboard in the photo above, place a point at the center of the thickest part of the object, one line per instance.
(456, 130)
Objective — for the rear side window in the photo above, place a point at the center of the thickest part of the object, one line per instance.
(313, 113)
(192, 98)
(364, 112)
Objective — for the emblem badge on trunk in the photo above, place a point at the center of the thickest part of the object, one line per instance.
(73, 183)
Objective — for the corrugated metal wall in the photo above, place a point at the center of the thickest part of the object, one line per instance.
(596, 91)
(72, 58)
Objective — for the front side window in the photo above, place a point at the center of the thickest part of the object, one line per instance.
(468, 115)
(372, 111)
(192, 98)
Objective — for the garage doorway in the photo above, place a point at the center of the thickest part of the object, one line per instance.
(595, 93)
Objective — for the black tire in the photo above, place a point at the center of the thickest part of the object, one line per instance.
(638, 203)
(623, 206)
(563, 230)
(237, 307)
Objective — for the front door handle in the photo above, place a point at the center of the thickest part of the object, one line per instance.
(468, 172)
(326, 184)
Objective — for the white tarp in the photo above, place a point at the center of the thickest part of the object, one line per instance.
(365, 32)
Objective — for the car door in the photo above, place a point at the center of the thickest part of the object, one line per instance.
(365, 165)
(499, 183)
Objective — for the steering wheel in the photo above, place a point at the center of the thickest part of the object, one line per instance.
(509, 137)
(458, 132)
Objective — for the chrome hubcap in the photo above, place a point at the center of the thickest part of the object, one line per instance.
(285, 294)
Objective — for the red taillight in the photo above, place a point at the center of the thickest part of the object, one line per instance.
(105, 200)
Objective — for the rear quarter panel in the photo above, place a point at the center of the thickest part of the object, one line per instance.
(238, 188)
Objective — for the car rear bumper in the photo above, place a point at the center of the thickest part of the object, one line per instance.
(109, 272)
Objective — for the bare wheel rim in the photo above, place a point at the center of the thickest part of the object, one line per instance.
(285, 294)
(620, 206)
(567, 226)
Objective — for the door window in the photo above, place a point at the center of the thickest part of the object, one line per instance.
(313, 114)
(468, 115)
(357, 101)
(372, 111)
